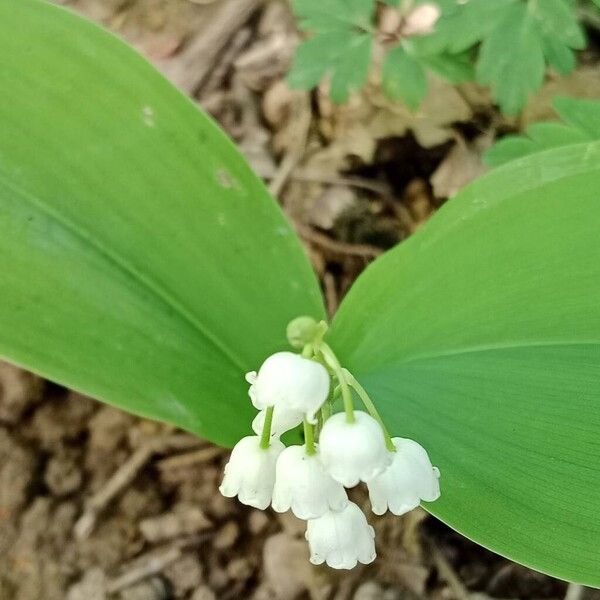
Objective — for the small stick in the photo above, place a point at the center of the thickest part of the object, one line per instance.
(376, 187)
(327, 243)
(240, 39)
(178, 441)
(197, 59)
(574, 592)
(189, 458)
(124, 475)
(154, 561)
(302, 116)
(120, 479)
(152, 564)
(331, 296)
(448, 573)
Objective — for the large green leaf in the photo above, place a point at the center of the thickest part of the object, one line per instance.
(581, 123)
(480, 338)
(141, 261)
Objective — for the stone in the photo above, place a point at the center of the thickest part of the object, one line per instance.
(287, 568)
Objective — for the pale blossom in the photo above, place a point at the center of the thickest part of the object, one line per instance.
(341, 538)
(353, 452)
(250, 472)
(303, 485)
(408, 480)
(291, 382)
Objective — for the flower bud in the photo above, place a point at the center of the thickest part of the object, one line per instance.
(250, 472)
(353, 452)
(301, 331)
(422, 19)
(341, 539)
(302, 485)
(408, 480)
(290, 382)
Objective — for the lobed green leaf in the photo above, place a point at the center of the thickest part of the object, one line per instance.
(581, 123)
(511, 59)
(404, 78)
(339, 47)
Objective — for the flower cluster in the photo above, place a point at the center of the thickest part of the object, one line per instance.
(339, 451)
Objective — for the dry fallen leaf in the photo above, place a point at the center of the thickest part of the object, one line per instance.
(462, 164)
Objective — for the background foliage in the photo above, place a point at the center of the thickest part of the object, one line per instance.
(580, 123)
(505, 44)
(145, 264)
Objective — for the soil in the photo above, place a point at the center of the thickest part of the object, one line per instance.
(96, 504)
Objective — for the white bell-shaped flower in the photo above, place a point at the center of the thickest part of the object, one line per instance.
(303, 485)
(283, 420)
(290, 381)
(353, 452)
(408, 480)
(341, 539)
(250, 472)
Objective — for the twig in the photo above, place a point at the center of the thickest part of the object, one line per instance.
(574, 591)
(197, 60)
(154, 561)
(178, 441)
(124, 475)
(189, 458)
(447, 572)
(343, 248)
(120, 479)
(404, 216)
(301, 116)
(214, 80)
(331, 295)
(376, 187)
(152, 564)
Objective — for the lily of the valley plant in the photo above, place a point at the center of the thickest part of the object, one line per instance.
(339, 451)
(143, 263)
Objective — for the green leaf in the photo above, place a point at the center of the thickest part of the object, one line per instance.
(517, 40)
(480, 338)
(557, 21)
(352, 68)
(404, 78)
(558, 55)
(511, 59)
(583, 115)
(455, 68)
(316, 56)
(142, 262)
(462, 25)
(322, 16)
(581, 123)
(340, 47)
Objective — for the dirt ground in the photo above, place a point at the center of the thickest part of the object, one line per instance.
(96, 504)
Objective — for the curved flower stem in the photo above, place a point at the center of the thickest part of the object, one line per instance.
(265, 438)
(334, 364)
(309, 438)
(366, 400)
(308, 351)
